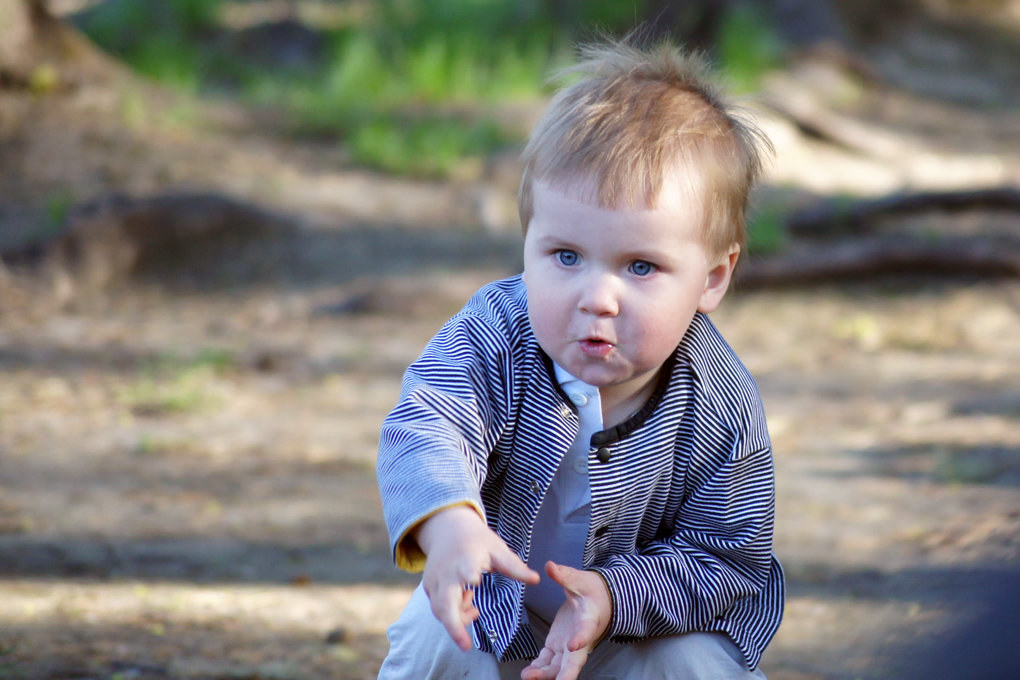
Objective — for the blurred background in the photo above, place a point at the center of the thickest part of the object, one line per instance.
(227, 226)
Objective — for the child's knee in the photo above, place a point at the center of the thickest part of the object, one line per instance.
(695, 656)
(421, 648)
(708, 655)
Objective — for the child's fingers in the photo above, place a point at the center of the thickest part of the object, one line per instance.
(468, 575)
(467, 606)
(541, 668)
(551, 666)
(579, 642)
(563, 575)
(543, 673)
(448, 606)
(571, 665)
(509, 564)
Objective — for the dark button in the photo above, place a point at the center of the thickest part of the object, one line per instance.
(603, 455)
(601, 531)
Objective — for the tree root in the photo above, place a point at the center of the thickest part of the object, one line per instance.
(860, 259)
(836, 217)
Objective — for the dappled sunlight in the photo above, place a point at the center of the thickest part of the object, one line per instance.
(221, 246)
(59, 627)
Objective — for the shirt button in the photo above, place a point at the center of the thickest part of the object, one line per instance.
(604, 455)
(536, 488)
(579, 398)
(565, 411)
(580, 465)
(493, 635)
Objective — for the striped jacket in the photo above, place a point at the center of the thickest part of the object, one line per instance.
(682, 493)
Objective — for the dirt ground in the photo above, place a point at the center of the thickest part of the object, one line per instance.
(187, 455)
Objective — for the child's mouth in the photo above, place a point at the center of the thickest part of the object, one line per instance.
(596, 347)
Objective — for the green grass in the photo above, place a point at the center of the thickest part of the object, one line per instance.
(172, 385)
(158, 39)
(748, 47)
(966, 467)
(426, 147)
(417, 109)
(385, 88)
(766, 230)
(57, 209)
(402, 79)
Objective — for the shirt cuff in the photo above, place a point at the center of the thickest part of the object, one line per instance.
(612, 610)
(408, 554)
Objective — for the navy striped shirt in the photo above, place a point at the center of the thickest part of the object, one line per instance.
(683, 492)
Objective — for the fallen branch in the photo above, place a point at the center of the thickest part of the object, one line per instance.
(882, 256)
(835, 216)
(119, 236)
(814, 119)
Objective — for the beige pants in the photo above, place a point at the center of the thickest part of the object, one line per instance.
(420, 649)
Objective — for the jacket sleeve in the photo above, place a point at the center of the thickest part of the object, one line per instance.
(719, 551)
(434, 445)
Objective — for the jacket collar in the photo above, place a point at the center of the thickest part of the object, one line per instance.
(618, 432)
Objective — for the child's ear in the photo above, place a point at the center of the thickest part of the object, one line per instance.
(718, 281)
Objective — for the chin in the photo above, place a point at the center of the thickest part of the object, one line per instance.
(596, 376)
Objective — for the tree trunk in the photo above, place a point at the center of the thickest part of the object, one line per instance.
(16, 33)
(31, 38)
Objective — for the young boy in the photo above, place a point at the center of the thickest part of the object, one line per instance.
(586, 419)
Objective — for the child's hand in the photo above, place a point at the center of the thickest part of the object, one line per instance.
(459, 547)
(579, 624)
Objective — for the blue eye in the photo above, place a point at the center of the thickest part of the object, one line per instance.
(568, 258)
(641, 268)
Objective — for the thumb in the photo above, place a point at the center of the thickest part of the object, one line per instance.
(509, 564)
(563, 575)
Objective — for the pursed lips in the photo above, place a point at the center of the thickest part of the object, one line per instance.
(595, 347)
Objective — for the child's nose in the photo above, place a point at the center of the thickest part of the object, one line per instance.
(599, 296)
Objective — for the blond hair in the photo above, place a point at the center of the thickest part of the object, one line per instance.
(635, 117)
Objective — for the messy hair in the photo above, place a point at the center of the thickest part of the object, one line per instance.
(633, 119)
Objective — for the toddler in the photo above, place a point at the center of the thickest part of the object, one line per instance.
(578, 461)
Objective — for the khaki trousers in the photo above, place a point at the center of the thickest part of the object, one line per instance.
(421, 649)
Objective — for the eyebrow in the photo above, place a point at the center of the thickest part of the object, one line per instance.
(552, 240)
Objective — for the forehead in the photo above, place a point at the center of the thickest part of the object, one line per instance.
(680, 192)
(681, 182)
(572, 209)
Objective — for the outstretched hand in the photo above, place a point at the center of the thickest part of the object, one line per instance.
(459, 548)
(579, 624)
